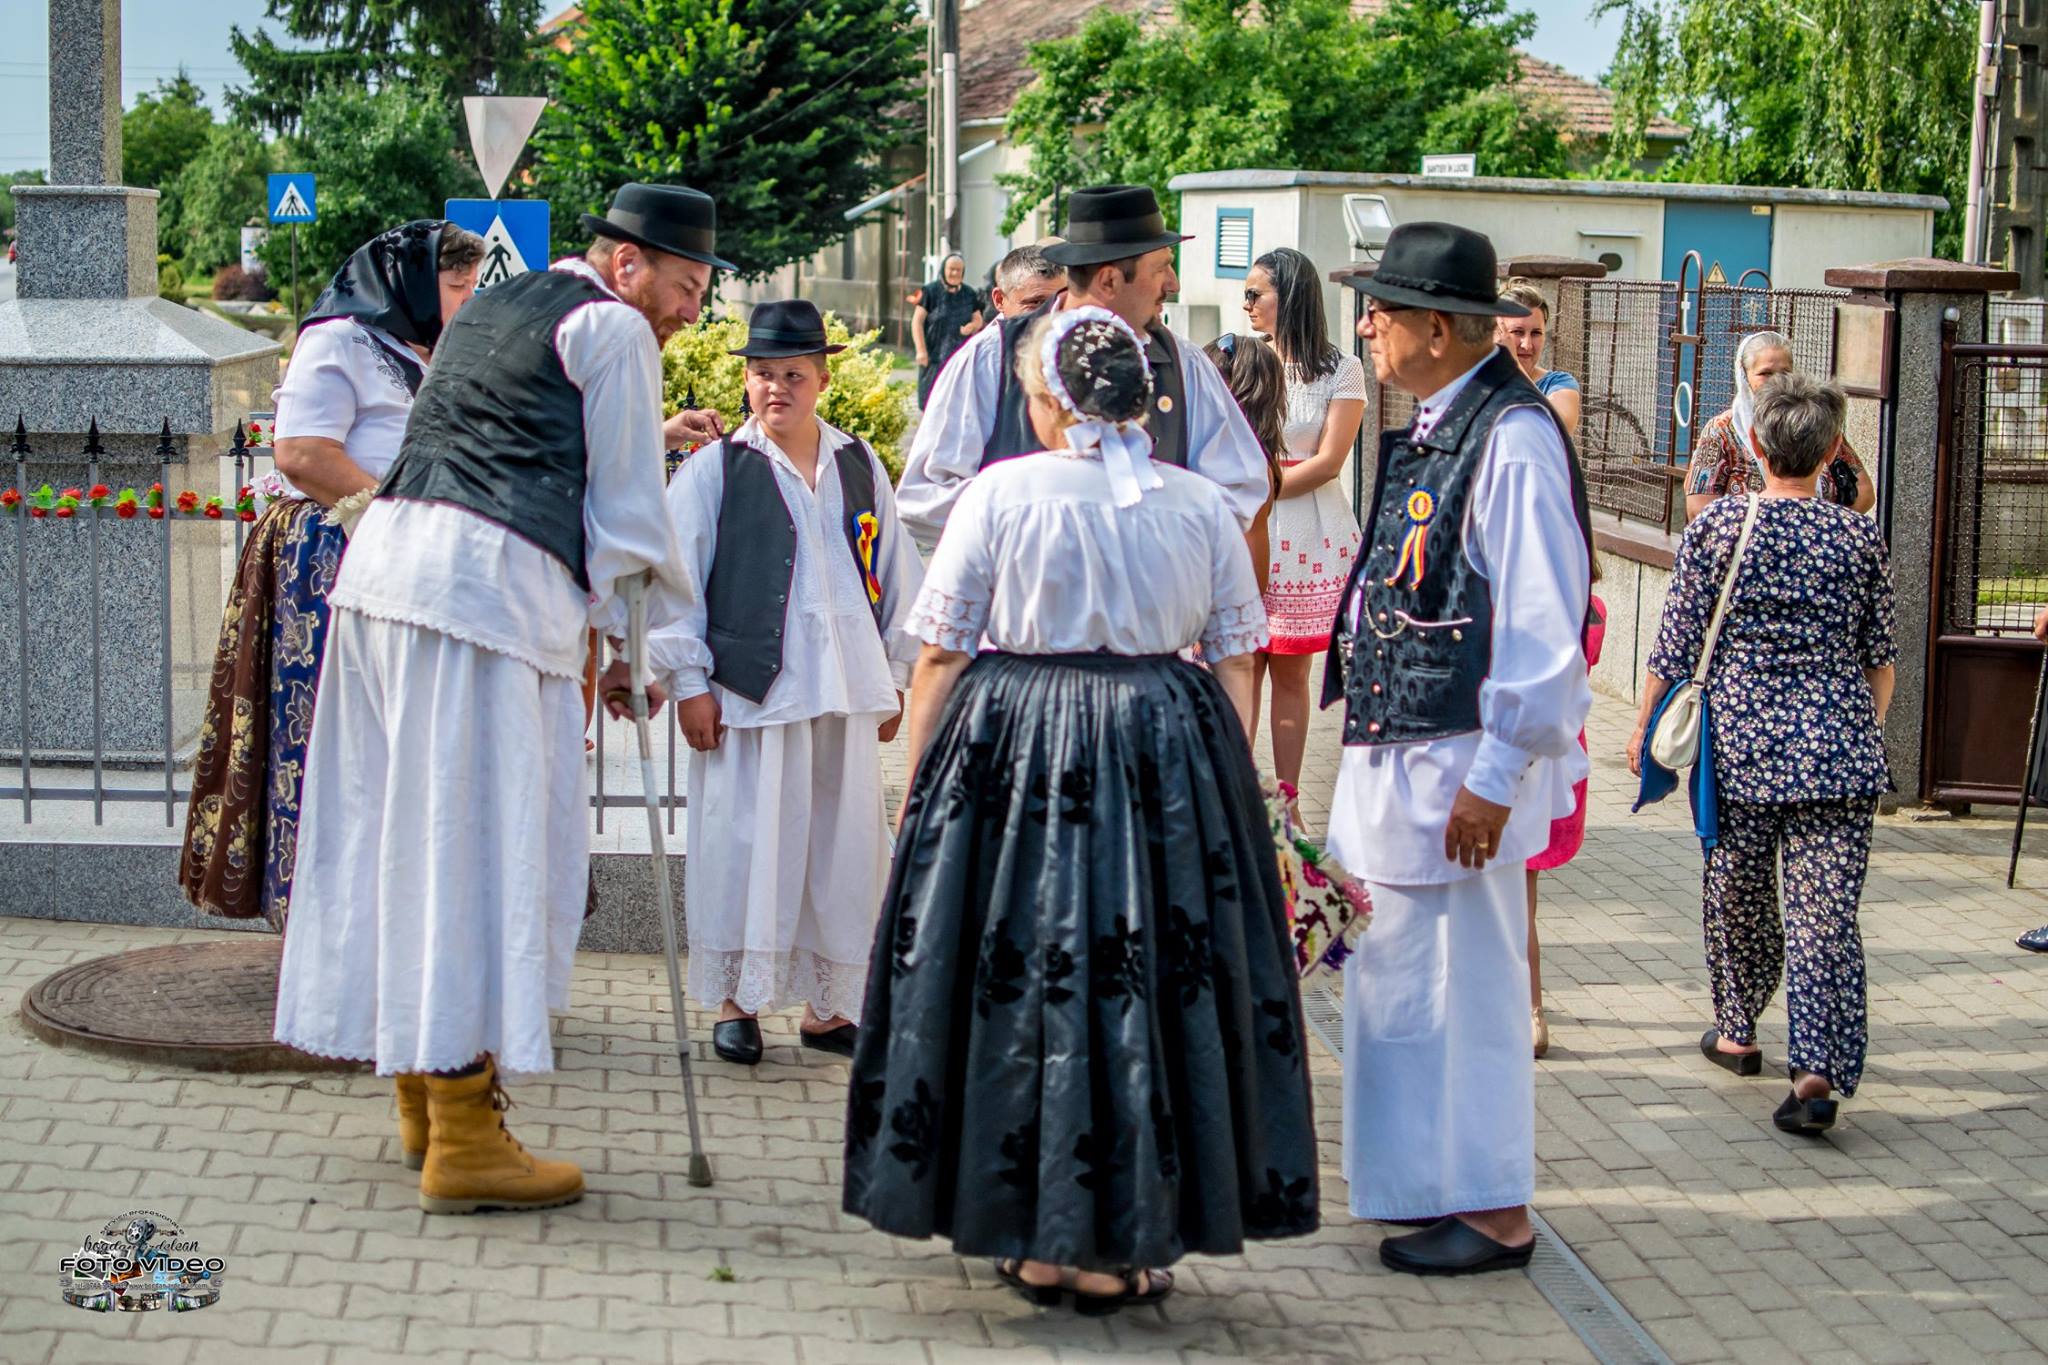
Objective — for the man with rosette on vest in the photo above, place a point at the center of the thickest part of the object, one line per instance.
(444, 847)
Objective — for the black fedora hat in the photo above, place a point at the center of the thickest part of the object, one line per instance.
(672, 218)
(784, 328)
(1442, 267)
(1110, 223)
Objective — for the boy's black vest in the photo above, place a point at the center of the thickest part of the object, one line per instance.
(753, 565)
(497, 427)
(1167, 422)
(1424, 639)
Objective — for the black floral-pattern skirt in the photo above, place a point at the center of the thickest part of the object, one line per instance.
(1083, 1037)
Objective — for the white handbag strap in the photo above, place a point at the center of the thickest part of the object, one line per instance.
(1699, 676)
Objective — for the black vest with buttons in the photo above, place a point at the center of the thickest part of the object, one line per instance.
(753, 566)
(1167, 422)
(497, 428)
(1423, 643)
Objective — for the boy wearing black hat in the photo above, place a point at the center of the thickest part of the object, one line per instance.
(1118, 254)
(789, 670)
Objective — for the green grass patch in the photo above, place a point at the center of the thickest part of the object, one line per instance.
(2009, 592)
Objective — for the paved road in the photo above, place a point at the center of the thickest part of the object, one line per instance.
(6, 280)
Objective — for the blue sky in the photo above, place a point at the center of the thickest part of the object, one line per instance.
(159, 35)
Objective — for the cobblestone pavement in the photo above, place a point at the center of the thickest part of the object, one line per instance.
(1916, 1232)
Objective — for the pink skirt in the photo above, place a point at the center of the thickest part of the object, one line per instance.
(1567, 833)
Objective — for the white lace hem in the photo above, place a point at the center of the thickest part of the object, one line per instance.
(376, 610)
(1241, 629)
(760, 982)
(947, 622)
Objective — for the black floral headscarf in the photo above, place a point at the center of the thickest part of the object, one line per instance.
(393, 281)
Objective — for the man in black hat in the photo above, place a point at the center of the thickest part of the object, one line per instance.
(1457, 654)
(1118, 254)
(788, 677)
(444, 846)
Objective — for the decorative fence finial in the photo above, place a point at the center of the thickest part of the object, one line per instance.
(20, 446)
(92, 440)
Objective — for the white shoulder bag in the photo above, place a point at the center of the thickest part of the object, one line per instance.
(1675, 743)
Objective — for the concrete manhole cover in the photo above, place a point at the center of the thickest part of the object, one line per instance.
(207, 1006)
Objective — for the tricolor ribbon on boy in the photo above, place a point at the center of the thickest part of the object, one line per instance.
(867, 543)
(1421, 509)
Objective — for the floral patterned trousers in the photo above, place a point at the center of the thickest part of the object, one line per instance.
(1812, 856)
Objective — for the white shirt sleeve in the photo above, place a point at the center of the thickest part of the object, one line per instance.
(1237, 611)
(902, 574)
(318, 396)
(952, 609)
(608, 351)
(1522, 533)
(1221, 446)
(945, 454)
(677, 646)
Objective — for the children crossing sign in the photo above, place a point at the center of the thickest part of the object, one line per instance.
(515, 233)
(291, 198)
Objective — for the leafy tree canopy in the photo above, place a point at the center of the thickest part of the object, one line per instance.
(779, 109)
(1296, 83)
(8, 180)
(220, 190)
(444, 49)
(161, 136)
(1839, 94)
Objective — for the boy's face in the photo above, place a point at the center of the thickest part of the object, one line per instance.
(786, 391)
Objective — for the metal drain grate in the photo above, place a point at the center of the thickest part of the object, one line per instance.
(1559, 1275)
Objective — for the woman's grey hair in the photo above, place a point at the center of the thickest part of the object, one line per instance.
(1756, 343)
(1798, 420)
(460, 248)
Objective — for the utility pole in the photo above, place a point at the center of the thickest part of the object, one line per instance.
(942, 121)
(2012, 187)
(1982, 116)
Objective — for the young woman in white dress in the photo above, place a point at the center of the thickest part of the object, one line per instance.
(1313, 533)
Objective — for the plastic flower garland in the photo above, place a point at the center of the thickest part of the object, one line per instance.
(128, 504)
(1326, 907)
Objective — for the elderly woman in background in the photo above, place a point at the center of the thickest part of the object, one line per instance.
(1524, 338)
(1799, 685)
(1724, 460)
(948, 312)
(356, 366)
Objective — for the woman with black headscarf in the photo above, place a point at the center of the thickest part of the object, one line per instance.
(341, 413)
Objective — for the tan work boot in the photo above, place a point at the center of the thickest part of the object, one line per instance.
(412, 1120)
(474, 1164)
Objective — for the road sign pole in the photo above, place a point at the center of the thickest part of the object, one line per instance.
(295, 277)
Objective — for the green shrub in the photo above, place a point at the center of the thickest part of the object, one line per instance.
(170, 281)
(861, 398)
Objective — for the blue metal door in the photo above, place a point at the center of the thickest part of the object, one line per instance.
(1732, 240)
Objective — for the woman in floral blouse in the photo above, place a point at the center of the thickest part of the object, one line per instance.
(1724, 459)
(1797, 694)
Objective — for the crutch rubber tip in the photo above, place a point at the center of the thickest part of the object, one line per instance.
(700, 1171)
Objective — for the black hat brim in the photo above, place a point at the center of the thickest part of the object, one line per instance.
(1070, 253)
(1441, 303)
(775, 350)
(605, 227)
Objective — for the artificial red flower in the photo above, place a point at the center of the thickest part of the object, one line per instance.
(213, 511)
(38, 511)
(64, 511)
(156, 514)
(73, 494)
(126, 510)
(157, 489)
(187, 501)
(246, 515)
(99, 491)
(10, 498)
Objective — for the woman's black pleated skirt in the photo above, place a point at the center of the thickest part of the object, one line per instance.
(1083, 1038)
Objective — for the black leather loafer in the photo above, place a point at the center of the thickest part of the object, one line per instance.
(1807, 1118)
(1741, 1063)
(839, 1041)
(2034, 940)
(737, 1040)
(1452, 1247)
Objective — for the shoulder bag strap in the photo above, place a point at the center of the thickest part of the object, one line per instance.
(1699, 676)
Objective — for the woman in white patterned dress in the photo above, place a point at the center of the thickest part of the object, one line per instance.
(1313, 533)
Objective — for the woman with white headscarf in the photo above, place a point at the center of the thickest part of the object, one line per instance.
(1725, 458)
(1082, 1050)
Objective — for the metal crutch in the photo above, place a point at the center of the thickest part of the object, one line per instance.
(635, 591)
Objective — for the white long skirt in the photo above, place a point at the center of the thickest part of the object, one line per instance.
(1439, 1080)
(788, 858)
(444, 851)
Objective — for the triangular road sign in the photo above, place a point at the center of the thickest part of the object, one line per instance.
(292, 206)
(498, 128)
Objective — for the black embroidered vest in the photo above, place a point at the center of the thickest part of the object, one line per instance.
(1167, 422)
(753, 565)
(1414, 633)
(497, 427)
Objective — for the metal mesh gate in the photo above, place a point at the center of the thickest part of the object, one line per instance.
(1994, 553)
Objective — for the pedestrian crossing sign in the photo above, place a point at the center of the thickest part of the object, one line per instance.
(515, 233)
(291, 198)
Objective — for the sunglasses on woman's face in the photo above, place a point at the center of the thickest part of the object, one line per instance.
(1252, 297)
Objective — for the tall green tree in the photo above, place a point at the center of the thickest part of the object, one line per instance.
(223, 188)
(1297, 83)
(445, 49)
(8, 180)
(780, 109)
(382, 157)
(1839, 94)
(161, 136)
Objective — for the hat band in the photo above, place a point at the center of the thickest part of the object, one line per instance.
(776, 336)
(683, 235)
(1424, 284)
(1116, 230)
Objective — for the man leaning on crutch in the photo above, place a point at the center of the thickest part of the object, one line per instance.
(444, 842)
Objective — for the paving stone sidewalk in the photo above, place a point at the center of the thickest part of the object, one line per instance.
(1919, 1231)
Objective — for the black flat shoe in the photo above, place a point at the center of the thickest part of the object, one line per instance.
(1807, 1118)
(1452, 1247)
(2034, 940)
(1741, 1063)
(1157, 1285)
(839, 1042)
(1043, 1295)
(737, 1040)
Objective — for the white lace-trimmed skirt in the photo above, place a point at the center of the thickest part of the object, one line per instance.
(444, 854)
(788, 857)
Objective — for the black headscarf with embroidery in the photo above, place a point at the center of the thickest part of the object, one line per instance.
(393, 282)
